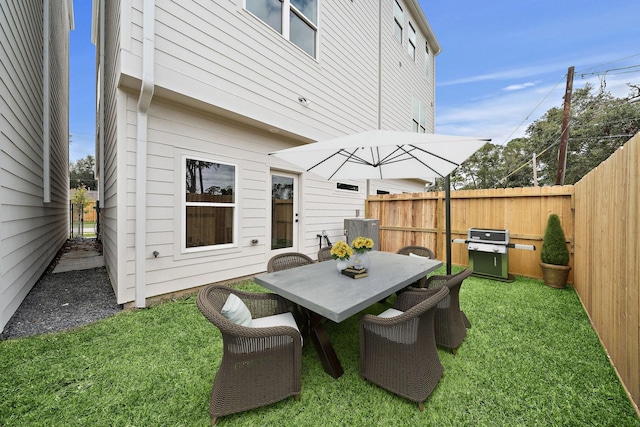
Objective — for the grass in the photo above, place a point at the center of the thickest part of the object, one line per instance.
(531, 358)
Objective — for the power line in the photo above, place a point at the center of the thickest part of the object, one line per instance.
(532, 111)
(611, 62)
(612, 71)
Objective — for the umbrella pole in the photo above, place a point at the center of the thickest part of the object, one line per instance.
(447, 193)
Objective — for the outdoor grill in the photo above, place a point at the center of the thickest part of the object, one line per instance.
(488, 252)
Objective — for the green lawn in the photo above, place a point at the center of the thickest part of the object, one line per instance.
(531, 358)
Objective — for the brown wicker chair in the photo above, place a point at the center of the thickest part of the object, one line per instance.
(420, 251)
(324, 254)
(451, 322)
(399, 353)
(288, 260)
(259, 366)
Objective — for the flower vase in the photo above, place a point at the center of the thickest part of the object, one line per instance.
(361, 260)
(341, 264)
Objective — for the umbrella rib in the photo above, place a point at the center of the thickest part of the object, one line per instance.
(338, 153)
(434, 155)
(349, 157)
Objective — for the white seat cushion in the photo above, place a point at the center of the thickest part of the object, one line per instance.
(390, 312)
(418, 256)
(398, 333)
(283, 319)
(236, 311)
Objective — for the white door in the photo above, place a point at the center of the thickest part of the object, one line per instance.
(284, 212)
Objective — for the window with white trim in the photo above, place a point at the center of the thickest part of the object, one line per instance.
(411, 46)
(210, 211)
(296, 20)
(419, 114)
(398, 20)
(427, 60)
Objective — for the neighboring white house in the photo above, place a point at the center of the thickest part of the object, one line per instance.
(34, 143)
(193, 94)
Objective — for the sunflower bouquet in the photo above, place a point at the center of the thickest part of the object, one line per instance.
(362, 244)
(340, 250)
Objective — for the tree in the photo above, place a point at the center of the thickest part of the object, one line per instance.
(600, 124)
(81, 173)
(79, 197)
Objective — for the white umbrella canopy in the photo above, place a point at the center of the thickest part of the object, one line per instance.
(383, 154)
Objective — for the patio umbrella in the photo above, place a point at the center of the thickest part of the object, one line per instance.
(384, 154)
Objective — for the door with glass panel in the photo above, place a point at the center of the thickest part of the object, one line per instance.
(284, 212)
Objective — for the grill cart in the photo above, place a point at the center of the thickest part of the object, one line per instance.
(488, 253)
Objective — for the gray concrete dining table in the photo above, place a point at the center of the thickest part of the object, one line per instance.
(321, 292)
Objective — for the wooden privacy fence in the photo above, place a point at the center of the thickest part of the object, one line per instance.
(607, 259)
(419, 219)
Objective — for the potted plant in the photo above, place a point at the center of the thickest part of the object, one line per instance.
(554, 254)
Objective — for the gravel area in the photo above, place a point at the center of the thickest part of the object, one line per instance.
(65, 300)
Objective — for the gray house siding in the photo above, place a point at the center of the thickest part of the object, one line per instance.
(32, 230)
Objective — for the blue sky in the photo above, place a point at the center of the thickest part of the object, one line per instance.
(503, 62)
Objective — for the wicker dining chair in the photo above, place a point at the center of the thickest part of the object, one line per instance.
(288, 260)
(260, 365)
(419, 251)
(399, 353)
(324, 254)
(450, 322)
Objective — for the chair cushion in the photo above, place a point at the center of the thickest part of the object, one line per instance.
(418, 256)
(283, 319)
(396, 333)
(390, 312)
(236, 311)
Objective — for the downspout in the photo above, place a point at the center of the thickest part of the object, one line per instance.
(146, 93)
(46, 106)
(368, 181)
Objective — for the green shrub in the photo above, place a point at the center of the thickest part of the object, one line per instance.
(554, 246)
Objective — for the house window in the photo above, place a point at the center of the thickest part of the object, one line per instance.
(419, 115)
(427, 60)
(209, 204)
(382, 192)
(296, 20)
(398, 19)
(411, 46)
(348, 187)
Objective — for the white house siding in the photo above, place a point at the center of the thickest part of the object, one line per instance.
(219, 53)
(176, 130)
(402, 77)
(112, 177)
(31, 231)
(223, 81)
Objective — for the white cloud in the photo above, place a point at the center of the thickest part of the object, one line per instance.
(519, 86)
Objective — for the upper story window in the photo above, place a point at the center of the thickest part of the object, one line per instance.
(419, 114)
(398, 20)
(209, 204)
(427, 60)
(296, 20)
(411, 46)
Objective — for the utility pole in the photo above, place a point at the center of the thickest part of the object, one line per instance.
(535, 171)
(564, 137)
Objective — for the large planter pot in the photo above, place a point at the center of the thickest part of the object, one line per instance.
(555, 276)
